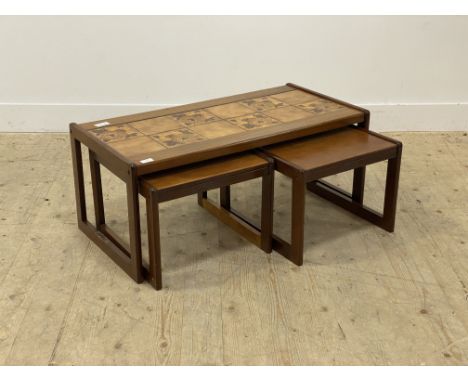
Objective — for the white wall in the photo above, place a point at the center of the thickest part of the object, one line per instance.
(412, 72)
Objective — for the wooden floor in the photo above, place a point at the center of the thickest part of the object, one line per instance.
(363, 296)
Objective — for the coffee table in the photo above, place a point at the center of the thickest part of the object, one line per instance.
(145, 143)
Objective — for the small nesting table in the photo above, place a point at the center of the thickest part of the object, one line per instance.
(144, 144)
(197, 179)
(308, 159)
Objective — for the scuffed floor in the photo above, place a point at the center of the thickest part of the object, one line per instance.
(363, 296)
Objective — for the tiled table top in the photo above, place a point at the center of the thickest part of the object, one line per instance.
(252, 117)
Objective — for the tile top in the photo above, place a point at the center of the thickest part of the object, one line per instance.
(143, 135)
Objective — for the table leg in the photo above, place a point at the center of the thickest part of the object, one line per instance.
(78, 178)
(294, 250)
(343, 199)
(129, 259)
(225, 197)
(267, 209)
(201, 196)
(154, 246)
(359, 179)
(391, 191)
(134, 224)
(297, 220)
(239, 223)
(96, 183)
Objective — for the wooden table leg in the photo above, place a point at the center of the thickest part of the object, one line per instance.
(225, 197)
(341, 198)
(78, 177)
(359, 180)
(297, 220)
(391, 191)
(294, 250)
(95, 170)
(134, 225)
(127, 258)
(154, 246)
(260, 236)
(201, 196)
(267, 210)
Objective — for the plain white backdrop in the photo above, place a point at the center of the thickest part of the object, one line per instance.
(411, 71)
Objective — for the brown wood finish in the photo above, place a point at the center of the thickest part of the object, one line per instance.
(95, 171)
(297, 219)
(329, 148)
(268, 186)
(78, 177)
(359, 180)
(182, 190)
(154, 246)
(233, 221)
(134, 224)
(199, 178)
(200, 151)
(128, 258)
(225, 197)
(188, 134)
(391, 191)
(177, 136)
(201, 172)
(112, 236)
(266, 225)
(104, 154)
(307, 160)
(359, 177)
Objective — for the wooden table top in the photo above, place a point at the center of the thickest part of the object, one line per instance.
(185, 134)
(333, 147)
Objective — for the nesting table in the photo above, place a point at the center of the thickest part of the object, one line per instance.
(136, 146)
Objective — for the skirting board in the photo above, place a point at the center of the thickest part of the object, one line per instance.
(55, 117)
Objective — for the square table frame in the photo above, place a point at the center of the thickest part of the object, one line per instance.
(129, 257)
(259, 236)
(352, 202)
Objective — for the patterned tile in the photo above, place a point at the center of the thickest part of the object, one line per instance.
(320, 106)
(116, 133)
(132, 147)
(217, 129)
(263, 103)
(229, 110)
(179, 137)
(288, 114)
(196, 117)
(253, 121)
(295, 96)
(172, 130)
(156, 125)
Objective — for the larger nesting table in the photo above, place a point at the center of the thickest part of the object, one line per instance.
(142, 144)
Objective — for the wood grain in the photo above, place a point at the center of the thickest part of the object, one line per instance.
(201, 171)
(328, 148)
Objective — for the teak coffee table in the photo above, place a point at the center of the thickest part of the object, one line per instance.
(147, 143)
